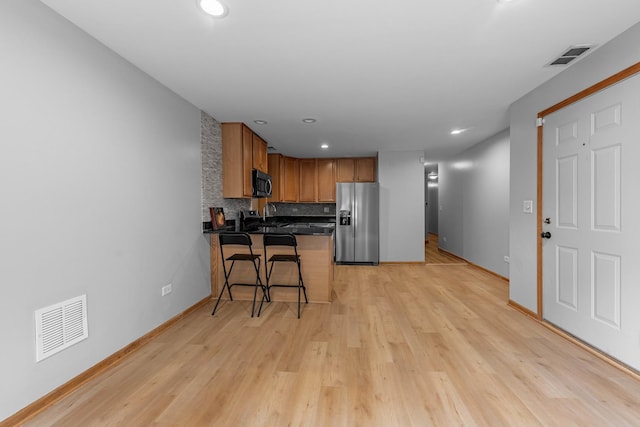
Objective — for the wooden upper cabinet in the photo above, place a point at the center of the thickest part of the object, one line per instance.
(326, 180)
(237, 160)
(276, 163)
(345, 170)
(308, 185)
(314, 180)
(358, 169)
(247, 161)
(365, 169)
(242, 151)
(290, 179)
(259, 154)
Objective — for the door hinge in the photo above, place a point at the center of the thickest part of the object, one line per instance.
(539, 121)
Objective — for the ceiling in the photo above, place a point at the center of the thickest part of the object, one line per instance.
(377, 76)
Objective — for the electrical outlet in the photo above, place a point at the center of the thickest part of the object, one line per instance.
(294, 209)
(166, 290)
(444, 239)
(506, 258)
(326, 209)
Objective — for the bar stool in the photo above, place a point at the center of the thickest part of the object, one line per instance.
(283, 240)
(241, 239)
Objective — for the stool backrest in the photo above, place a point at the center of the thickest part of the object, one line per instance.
(279, 240)
(235, 239)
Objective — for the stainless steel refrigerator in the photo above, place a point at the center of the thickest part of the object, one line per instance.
(357, 223)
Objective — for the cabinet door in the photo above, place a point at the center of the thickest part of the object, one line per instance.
(345, 170)
(326, 180)
(236, 160)
(275, 164)
(247, 161)
(259, 153)
(308, 187)
(290, 179)
(365, 169)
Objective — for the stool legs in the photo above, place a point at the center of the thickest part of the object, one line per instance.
(255, 290)
(258, 283)
(300, 284)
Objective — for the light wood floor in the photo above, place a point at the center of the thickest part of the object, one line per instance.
(401, 345)
(434, 256)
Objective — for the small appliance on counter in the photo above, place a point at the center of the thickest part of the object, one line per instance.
(249, 218)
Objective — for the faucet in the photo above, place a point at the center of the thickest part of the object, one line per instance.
(265, 210)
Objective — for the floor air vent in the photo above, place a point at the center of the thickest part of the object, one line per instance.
(570, 53)
(60, 326)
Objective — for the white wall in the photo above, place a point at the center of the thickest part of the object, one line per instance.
(100, 195)
(474, 200)
(401, 177)
(607, 60)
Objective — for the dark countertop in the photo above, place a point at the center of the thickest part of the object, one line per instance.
(302, 226)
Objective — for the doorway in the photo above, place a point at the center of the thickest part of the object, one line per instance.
(587, 218)
(430, 200)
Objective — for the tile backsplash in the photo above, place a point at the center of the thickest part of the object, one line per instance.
(305, 209)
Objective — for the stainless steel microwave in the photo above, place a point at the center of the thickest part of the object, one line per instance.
(261, 184)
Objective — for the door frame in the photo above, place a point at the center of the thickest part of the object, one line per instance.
(602, 85)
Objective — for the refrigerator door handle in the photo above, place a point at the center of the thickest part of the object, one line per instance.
(355, 216)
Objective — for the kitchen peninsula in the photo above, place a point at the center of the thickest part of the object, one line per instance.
(315, 247)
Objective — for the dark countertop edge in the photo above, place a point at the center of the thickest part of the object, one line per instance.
(302, 218)
(295, 231)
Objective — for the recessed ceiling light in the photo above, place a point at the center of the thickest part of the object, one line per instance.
(325, 146)
(214, 8)
(457, 131)
(260, 122)
(309, 120)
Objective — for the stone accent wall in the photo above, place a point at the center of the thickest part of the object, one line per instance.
(211, 145)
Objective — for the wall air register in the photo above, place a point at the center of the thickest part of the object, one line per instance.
(571, 53)
(60, 326)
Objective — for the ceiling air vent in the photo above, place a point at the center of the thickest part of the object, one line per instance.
(570, 54)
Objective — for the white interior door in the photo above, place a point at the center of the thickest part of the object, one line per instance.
(591, 197)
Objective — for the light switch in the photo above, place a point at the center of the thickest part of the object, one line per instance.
(527, 206)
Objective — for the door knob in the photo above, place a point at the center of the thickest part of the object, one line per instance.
(545, 235)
